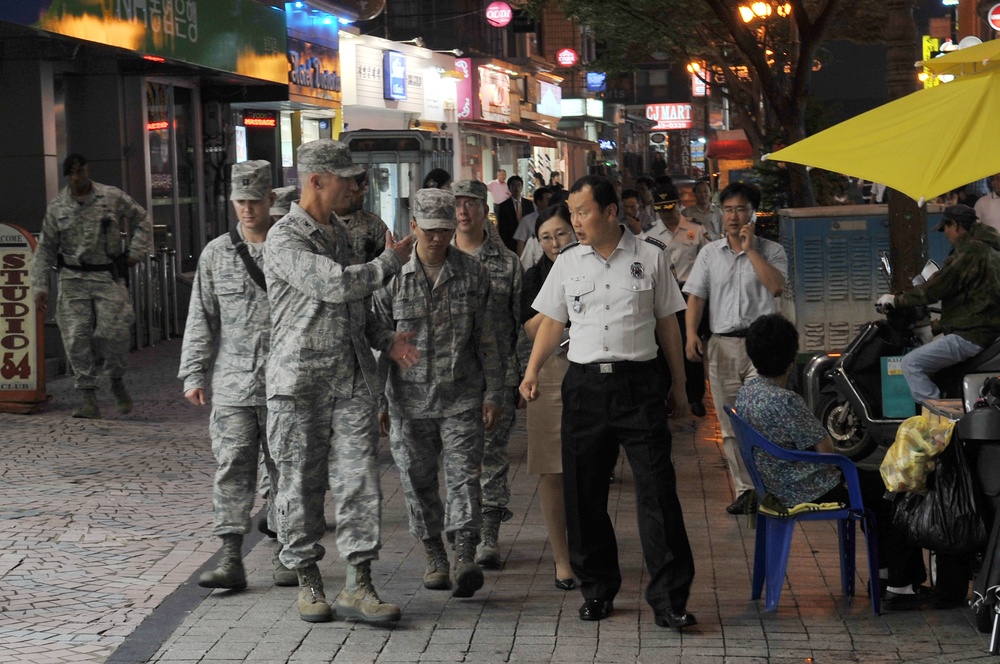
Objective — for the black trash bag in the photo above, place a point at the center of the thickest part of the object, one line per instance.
(948, 518)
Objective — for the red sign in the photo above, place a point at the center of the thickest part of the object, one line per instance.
(22, 326)
(499, 14)
(260, 119)
(669, 116)
(567, 57)
(993, 17)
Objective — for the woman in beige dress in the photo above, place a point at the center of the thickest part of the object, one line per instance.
(554, 232)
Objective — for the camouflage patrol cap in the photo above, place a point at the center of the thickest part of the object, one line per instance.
(469, 189)
(328, 156)
(283, 197)
(251, 180)
(433, 208)
(665, 197)
(960, 214)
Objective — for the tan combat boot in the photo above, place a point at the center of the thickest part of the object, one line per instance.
(89, 410)
(468, 574)
(229, 573)
(123, 402)
(283, 576)
(436, 574)
(313, 606)
(488, 555)
(359, 600)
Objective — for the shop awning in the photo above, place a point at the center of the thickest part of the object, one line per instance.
(554, 133)
(509, 131)
(729, 149)
(641, 123)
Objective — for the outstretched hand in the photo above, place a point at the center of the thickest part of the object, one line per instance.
(402, 352)
(403, 248)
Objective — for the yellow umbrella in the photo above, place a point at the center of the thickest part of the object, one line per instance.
(966, 61)
(923, 144)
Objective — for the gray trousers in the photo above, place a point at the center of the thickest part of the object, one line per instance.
(239, 435)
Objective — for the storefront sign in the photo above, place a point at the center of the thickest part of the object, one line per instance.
(550, 101)
(463, 89)
(669, 117)
(596, 81)
(577, 107)
(22, 347)
(367, 74)
(239, 36)
(499, 14)
(567, 57)
(313, 72)
(394, 75)
(494, 95)
(260, 119)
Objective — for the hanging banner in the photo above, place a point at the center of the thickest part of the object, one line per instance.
(22, 326)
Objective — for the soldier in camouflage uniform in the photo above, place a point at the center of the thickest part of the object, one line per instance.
(366, 229)
(283, 199)
(81, 235)
(504, 315)
(323, 384)
(227, 333)
(438, 405)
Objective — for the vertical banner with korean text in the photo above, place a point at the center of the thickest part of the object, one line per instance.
(22, 338)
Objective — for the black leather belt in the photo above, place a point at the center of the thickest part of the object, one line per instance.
(739, 334)
(614, 367)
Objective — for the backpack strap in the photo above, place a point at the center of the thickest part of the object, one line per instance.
(244, 251)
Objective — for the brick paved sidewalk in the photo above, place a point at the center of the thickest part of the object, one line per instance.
(105, 524)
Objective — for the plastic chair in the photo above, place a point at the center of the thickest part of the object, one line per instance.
(774, 534)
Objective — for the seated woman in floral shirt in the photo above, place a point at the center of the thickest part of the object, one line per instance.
(783, 417)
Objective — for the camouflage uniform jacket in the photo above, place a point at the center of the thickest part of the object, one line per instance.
(506, 275)
(88, 234)
(458, 355)
(228, 325)
(367, 234)
(321, 330)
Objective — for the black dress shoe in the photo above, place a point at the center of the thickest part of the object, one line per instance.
(675, 618)
(698, 409)
(565, 584)
(745, 503)
(596, 609)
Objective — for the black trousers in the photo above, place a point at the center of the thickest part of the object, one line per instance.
(601, 412)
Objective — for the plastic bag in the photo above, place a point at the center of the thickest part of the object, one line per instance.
(909, 460)
(947, 519)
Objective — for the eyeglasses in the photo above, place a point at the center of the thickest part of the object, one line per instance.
(549, 239)
(740, 209)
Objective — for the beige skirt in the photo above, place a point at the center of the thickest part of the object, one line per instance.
(545, 419)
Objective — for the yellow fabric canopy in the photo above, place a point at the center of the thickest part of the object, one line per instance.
(924, 144)
(966, 61)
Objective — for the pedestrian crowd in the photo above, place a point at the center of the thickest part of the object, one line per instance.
(312, 331)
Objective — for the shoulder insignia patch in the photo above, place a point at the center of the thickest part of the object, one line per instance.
(656, 243)
(569, 246)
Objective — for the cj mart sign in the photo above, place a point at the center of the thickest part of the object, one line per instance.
(669, 117)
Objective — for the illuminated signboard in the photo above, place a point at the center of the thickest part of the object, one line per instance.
(394, 75)
(494, 95)
(260, 119)
(577, 107)
(157, 126)
(607, 144)
(313, 72)
(669, 116)
(22, 365)
(499, 14)
(567, 57)
(596, 81)
(550, 100)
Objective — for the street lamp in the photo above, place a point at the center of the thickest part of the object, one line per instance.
(763, 10)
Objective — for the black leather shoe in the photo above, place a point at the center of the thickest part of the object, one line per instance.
(675, 618)
(744, 503)
(596, 609)
(566, 584)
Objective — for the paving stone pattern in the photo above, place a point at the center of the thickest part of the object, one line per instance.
(104, 524)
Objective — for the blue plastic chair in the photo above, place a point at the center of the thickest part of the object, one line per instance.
(774, 534)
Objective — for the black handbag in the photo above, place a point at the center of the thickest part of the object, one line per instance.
(947, 519)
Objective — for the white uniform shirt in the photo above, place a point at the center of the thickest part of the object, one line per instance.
(730, 284)
(988, 210)
(613, 304)
(711, 220)
(683, 244)
(526, 228)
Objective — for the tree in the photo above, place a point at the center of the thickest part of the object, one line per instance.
(765, 64)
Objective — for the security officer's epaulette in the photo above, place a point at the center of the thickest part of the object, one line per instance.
(656, 243)
(569, 246)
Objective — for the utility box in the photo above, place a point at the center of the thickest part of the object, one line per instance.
(833, 280)
(897, 402)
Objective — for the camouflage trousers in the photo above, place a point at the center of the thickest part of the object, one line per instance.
(239, 435)
(416, 446)
(94, 316)
(310, 435)
(496, 463)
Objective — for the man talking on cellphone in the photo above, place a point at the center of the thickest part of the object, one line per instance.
(741, 275)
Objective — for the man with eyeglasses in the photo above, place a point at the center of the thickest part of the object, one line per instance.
(739, 275)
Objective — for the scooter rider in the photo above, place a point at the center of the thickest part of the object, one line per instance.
(968, 287)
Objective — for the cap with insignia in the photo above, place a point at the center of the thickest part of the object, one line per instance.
(327, 156)
(665, 197)
(433, 209)
(251, 180)
(469, 189)
(283, 198)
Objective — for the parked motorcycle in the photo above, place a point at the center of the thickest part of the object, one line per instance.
(844, 390)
